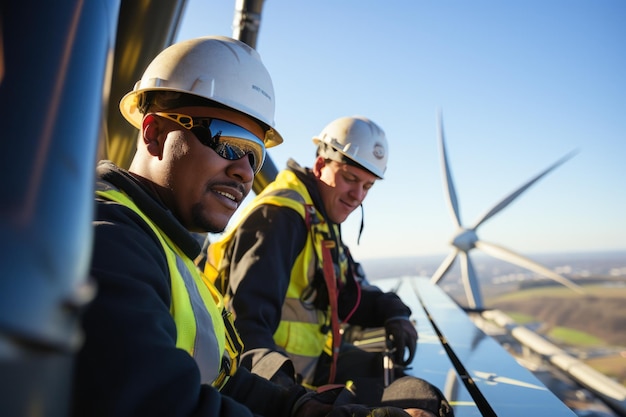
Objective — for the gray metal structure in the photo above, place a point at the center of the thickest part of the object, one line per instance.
(63, 68)
(56, 58)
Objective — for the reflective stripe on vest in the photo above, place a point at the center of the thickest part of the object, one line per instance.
(195, 306)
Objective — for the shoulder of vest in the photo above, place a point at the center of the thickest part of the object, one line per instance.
(103, 186)
(287, 190)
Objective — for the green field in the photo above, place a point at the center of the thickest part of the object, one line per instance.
(597, 319)
(573, 337)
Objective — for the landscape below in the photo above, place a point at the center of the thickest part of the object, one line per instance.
(591, 328)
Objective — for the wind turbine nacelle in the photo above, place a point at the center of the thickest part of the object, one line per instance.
(464, 240)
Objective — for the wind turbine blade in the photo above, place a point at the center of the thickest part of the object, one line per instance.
(470, 282)
(451, 388)
(451, 199)
(509, 256)
(507, 200)
(444, 267)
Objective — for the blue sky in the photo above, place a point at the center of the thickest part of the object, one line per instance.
(520, 84)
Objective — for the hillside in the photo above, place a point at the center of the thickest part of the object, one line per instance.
(602, 313)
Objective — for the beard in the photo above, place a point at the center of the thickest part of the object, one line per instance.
(202, 223)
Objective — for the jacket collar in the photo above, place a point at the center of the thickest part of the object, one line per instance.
(150, 205)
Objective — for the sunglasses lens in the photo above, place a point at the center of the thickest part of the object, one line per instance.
(232, 152)
(229, 151)
(231, 141)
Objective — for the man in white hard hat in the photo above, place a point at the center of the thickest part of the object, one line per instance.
(158, 341)
(290, 278)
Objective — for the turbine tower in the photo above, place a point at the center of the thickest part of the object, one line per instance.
(466, 239)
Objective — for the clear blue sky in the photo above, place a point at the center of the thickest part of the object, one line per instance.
(520, 84)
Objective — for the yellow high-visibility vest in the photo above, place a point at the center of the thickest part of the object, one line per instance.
(203, 326)
(304, 332)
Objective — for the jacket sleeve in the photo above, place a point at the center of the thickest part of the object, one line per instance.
(262, 253)
(129, 364)
(263, 396)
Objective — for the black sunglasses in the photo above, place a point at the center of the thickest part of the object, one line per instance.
(228, 140)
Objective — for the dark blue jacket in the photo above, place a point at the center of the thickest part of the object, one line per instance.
(129, 365)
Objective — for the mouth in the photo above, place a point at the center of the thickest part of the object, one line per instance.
(348, 205)
(227, 195)
(231, 197)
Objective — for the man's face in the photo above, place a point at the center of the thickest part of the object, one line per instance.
(343, 187)
(202, 188)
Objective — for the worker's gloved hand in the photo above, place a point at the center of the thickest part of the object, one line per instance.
(331, 401)
(403, 335)
(320, 403)
(354, 410)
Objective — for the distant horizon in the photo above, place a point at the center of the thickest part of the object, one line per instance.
(488, 266)
(479, 254)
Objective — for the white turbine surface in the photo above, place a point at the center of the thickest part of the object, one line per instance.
(466, 239)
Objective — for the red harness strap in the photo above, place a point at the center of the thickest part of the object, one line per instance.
(331, 284)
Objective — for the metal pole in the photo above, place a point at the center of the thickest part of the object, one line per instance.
(246, 24)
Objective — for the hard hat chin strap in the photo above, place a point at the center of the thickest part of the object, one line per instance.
(362, 224)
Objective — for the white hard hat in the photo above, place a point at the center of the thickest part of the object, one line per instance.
(217, 68)
(357, 138)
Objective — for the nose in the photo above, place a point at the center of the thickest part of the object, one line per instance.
(358, 193)
(242, 168)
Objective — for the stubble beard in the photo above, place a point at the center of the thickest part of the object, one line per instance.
(202, 222)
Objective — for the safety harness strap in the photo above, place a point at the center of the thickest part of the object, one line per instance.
(331, 284)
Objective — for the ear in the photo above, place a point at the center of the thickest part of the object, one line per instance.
(320, 163)
(151, 135)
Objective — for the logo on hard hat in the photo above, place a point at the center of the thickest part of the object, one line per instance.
(379, 151)
(262, 91)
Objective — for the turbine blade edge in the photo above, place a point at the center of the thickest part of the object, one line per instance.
(472, 287)
(444, 267)
(514, 258)
(511, 197)
(450, 192)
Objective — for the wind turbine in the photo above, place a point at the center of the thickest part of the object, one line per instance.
(466, 239)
